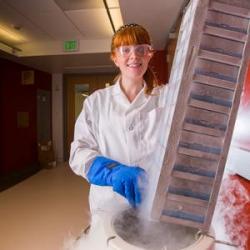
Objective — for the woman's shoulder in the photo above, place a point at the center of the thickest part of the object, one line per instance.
(103, 92)
(100, 94)
(160, 89)
(160, 94)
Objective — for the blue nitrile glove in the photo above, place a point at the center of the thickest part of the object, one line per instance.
(125, 180)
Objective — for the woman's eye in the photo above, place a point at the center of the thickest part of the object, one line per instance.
(140, 50)
(126, 50)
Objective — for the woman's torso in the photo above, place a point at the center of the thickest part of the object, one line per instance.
(131, 133)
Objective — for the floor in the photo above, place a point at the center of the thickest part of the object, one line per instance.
(10, 179)
(43, 210)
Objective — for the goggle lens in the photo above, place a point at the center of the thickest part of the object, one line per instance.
(139, 50)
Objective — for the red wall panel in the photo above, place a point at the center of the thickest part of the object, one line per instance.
(159, 65)
(18, 145)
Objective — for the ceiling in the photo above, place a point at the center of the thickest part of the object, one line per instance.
(37, 29)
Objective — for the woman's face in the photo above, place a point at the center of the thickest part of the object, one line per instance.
(133, 60)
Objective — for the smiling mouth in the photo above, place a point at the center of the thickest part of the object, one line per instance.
(134, 65)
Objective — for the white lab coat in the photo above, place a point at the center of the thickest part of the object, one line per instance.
(111, 126)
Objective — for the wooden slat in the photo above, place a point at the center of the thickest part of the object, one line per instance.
(230, 9)
(227, 22)
(214, 82)
(199, 154)
(217, 57)
(209, 106)
(222, 46)
(188, 200)
(194, 212)
(217, 70)
(194, 165)
(206, 118)
(236, 36)
(187, 212)
(203, 130)
(180, 221)
(190, 188)
(192, 177)
(213, 94)
(180, 210)
(203, 142)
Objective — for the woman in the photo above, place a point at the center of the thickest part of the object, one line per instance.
(117, 131)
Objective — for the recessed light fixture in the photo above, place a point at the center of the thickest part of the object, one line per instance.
(114, 13)
(9, 35)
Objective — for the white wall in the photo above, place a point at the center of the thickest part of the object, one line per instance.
(57, 115)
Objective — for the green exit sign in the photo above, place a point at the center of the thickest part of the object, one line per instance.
(70, 45)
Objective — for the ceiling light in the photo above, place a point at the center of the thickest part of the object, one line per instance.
(9, 35)
(116, 17)
(114, 13)
(9, 48)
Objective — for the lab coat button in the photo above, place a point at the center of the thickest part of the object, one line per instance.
(131, 127)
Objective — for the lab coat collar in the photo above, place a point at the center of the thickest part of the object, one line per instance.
(139, 99)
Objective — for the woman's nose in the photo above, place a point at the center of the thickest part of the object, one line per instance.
(133, 53)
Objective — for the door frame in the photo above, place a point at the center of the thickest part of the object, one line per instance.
(96, 81)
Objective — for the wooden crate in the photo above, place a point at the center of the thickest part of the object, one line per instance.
(205, 86)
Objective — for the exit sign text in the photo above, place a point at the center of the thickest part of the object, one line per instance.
(70, 45)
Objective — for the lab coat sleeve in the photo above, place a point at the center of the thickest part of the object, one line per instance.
(84, 147)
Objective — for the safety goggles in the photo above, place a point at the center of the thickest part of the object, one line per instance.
(139, 50)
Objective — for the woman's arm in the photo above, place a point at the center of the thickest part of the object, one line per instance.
(84, 147)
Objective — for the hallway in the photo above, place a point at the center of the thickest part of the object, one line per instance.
(40, 212)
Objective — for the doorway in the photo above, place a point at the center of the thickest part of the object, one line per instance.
(77, 88)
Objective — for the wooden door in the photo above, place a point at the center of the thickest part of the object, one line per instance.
(77, 87)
